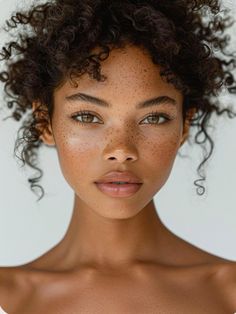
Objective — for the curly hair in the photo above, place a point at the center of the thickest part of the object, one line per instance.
(53, 42)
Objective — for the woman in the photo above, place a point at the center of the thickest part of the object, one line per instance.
(117, 130)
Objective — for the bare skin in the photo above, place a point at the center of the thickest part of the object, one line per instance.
(117, 256)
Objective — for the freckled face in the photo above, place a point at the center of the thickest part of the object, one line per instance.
(144, 141)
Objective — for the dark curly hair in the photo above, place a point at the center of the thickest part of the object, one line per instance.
(54, 42)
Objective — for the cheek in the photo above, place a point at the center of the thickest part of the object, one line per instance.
(159, 156)
(166, 148)
(76, 155)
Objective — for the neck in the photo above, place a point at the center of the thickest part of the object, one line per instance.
(93, 239)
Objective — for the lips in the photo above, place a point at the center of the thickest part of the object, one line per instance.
(120, 182)
(119, 190)
(119, 176)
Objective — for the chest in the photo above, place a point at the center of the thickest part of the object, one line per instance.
(118, 296)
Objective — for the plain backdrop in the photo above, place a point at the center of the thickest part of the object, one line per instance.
(28, 229)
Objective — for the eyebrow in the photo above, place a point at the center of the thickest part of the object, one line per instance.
(100, 102)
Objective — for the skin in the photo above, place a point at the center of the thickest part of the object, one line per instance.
(117, 256)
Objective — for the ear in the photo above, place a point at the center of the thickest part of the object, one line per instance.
(45, 126)
(189, 114)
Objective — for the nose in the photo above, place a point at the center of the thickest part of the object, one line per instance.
(121, 156)
(121, 147)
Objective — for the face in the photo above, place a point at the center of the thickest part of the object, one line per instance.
(119, 137)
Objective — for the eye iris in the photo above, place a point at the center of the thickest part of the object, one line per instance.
(153, 119)
(89, 117)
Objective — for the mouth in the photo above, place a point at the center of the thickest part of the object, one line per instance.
(118, 189)
(117, 183)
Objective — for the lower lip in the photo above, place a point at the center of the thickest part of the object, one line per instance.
(122, 190)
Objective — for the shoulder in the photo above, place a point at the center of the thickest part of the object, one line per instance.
(222, 270)
(6, 288)
(13, 281)
(223, 277)
(216, 277)
(225, 274)
(6, 282)
(218, 272)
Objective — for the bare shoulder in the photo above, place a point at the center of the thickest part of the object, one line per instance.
(6, 287)
(217, 275)
(225, 274)
(6, 282)
(218, 272)
(223, 277)
(13, 281)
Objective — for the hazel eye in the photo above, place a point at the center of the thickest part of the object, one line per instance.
(157, 118)
(88, 117)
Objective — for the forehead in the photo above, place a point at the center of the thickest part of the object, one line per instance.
(128, 71)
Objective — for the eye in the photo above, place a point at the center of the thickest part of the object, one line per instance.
(157, 118)
(88, 117)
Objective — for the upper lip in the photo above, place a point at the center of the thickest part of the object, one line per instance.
(116, 176)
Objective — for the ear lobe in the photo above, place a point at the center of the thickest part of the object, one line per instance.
(43, 124)
(189, 114)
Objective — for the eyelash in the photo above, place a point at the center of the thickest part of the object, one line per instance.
(153, 114)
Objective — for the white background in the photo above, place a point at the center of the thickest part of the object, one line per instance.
(28, 229)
